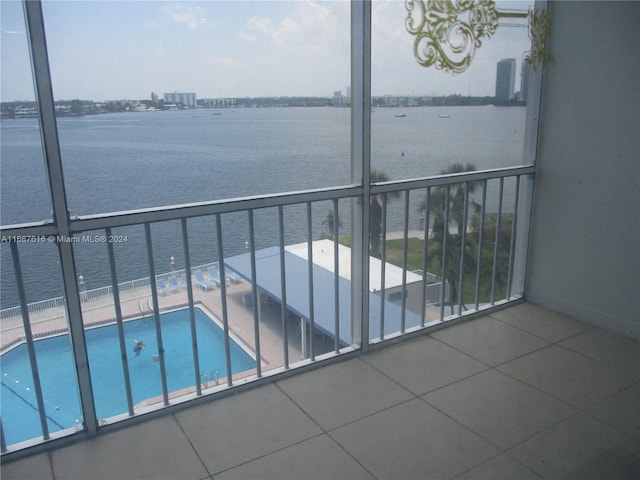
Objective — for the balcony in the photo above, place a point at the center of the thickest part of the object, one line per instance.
(458, 387)
(520, 393)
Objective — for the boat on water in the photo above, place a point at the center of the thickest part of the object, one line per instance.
(401, 115)
(444, 115)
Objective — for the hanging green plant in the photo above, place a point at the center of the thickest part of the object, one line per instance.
(539, 31)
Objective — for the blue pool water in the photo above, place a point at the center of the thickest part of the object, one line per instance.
(19, 406)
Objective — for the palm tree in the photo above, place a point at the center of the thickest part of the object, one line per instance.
(487, 255)
(456, 196)
(451, 268)
(375, 212)
(329, 223)
(456, 199)
(442, 239)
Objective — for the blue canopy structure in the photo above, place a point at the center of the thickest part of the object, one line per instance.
(324, 296)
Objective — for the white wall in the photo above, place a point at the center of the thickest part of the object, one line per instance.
(584, 257)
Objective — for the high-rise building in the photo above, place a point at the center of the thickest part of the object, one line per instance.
(185, 99)
(338, 99)
(505, 79)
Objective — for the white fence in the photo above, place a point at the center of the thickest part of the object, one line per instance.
(99, 297)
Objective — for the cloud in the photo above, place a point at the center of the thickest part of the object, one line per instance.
(301, 49)
(277, 31)
(307, 21)
(260, 25)
(247, 37)
(287, 28)
(189, 16)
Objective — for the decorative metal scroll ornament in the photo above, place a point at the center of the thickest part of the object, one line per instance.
(448, 32)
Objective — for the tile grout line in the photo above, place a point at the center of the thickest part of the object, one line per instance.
(351, 456)
(605, 422)
(489, 366)
(420, 397)
(608, 365)
(264, 455)
(326, 432)
(359, 357)
(568, 350)
(588, 329)
(538, 389)
(193, 447)
(551, 343)
(50, 458)
(491, 459)
(384, 374)
(577, 410)
(467, 428)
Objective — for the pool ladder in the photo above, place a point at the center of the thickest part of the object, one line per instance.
(212, 377)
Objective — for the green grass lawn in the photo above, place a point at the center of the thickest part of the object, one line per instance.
(415, 256)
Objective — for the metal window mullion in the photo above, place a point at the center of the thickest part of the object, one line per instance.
(523, 233)
(534, 105)
(192, 313)
(53, 164)
(463, 242)
(383, 265)
(254, 294)
(283, 288)
(445, 235)
(532, 126)
(119, 324)
(3, 441)
(26, 322)
(450, 179)
(480, 241)
(336, 276)
(512, 245)
(310, 279)
(405, 250)
(223, 300)
(425, 260)
(156, 314)
(360, 167)
(81, 223)
(497, 238)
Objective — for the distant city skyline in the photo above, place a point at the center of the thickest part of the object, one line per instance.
(108, 50)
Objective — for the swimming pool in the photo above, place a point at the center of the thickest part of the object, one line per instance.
(19, 406)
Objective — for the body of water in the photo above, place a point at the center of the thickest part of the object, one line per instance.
(135, 160)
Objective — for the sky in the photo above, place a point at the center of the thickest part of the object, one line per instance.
(108, 50)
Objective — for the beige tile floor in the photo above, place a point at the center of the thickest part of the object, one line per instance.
(523, 393)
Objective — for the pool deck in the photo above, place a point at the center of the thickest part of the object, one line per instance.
(135, 304)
